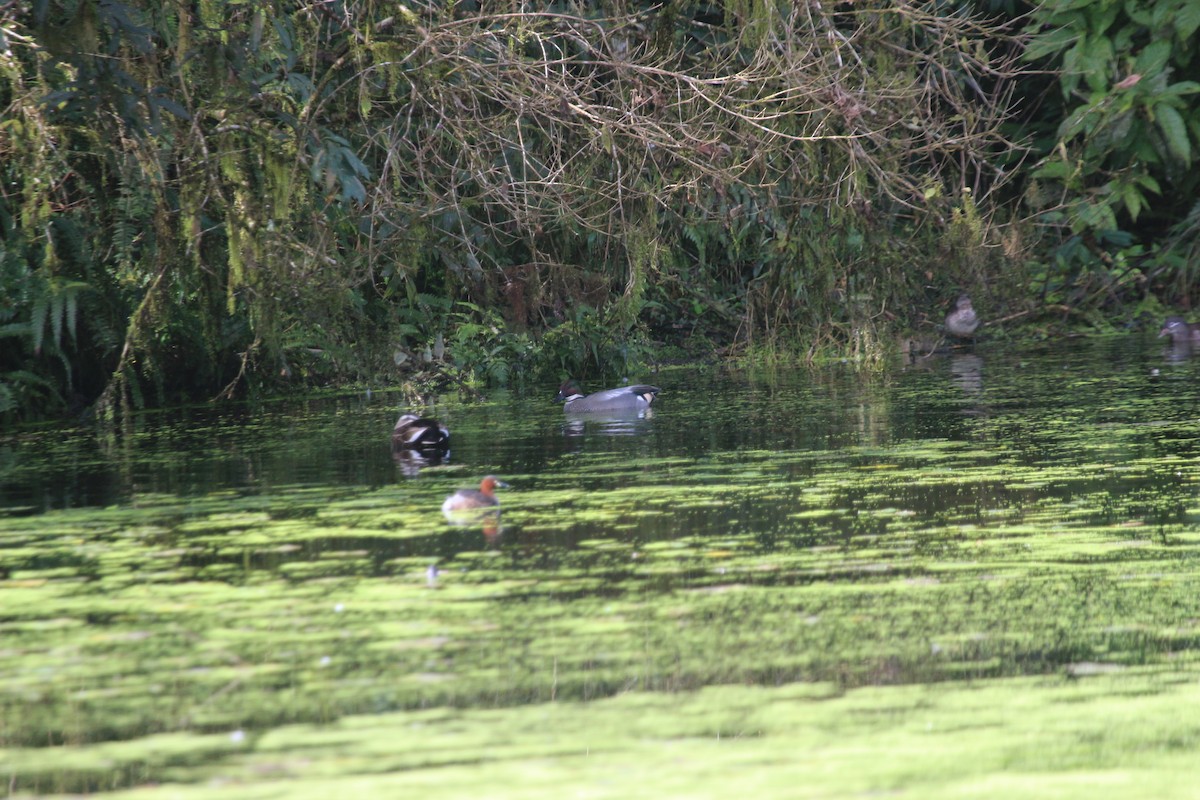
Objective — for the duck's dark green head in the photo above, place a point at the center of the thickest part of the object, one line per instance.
(569, 389)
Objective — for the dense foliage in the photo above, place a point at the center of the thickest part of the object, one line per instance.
(197, 200)
(1118, 172)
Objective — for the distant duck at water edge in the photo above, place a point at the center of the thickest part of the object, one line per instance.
(1180, 330)
(962, 321)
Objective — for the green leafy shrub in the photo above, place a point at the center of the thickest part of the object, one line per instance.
(1118, 173)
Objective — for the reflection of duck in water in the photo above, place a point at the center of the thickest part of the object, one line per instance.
(610, 423)
(962, 321)
(411, 461)
(966, 372)
(622, 399)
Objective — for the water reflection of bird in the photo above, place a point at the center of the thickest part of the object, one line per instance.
(624, 398)
(966, 372)
(962, 321)
(611, 423)
(1181, 331)
(416, 432)
(411, 460)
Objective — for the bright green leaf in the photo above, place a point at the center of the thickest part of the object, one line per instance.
(1187, 21)
(1153, 58)
(1072, 65)
(1182, 87)
(1092, 216)
(1164, 14)
(1140, 15)
(57, 309)
(1148, 182)
(1175, 132)
(1101, 16)
(1096, 62)
(1055, 170)
(1144, 150)
(1050, 42)
(1070, 5)
(1075, 123)
(41, 309)
(1133, 200)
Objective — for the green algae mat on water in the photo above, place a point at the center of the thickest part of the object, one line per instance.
(977, 576)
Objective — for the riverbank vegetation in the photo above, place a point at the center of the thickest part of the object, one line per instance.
(226, 198)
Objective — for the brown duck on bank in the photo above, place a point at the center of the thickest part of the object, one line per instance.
(962, 321)
(1181, 331)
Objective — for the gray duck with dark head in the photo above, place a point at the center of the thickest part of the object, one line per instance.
(624, 398)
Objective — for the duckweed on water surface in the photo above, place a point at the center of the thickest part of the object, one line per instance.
(896, 587)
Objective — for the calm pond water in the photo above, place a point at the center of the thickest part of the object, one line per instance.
(977, 574)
